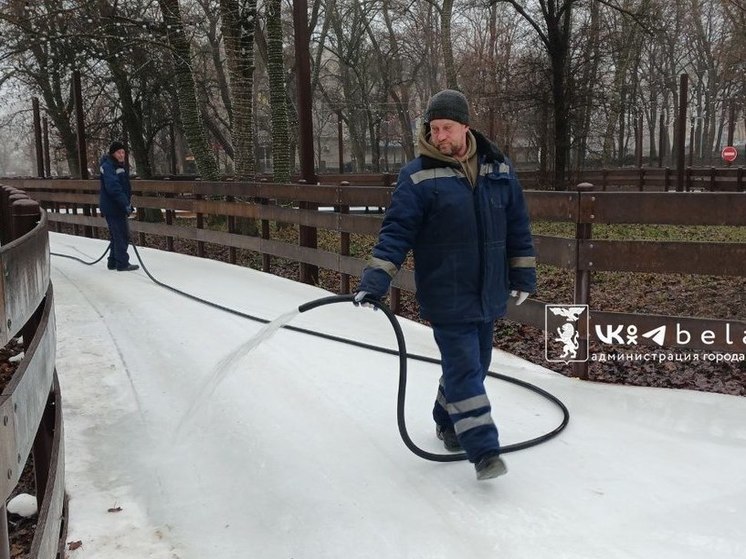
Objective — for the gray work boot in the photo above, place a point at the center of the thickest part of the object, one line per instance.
(489, 466)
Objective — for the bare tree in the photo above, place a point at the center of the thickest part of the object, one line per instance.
(446, 41)
(277, 93)
(41, 42)
(394, 68)
(347, 42)
(561, 80)
(238, 22)
(624, 40)
(711, 34)
(553, 24)
(586, 83)
(488, 56)
(115, 51)
(191, 117)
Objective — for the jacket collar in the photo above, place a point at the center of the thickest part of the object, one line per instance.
(486, 150)
(113, 160)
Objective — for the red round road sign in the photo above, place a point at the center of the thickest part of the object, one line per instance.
(729, 154)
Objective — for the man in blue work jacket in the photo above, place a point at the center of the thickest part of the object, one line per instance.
(115, 203)
(460, 207)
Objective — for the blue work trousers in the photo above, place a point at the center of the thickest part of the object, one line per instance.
(466, 352)
(119, 234)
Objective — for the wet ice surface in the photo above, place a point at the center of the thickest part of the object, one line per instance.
(296, 454)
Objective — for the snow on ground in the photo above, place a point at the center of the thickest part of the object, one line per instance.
(296, 453)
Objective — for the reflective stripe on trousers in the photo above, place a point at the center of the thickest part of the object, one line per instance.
(466, 352)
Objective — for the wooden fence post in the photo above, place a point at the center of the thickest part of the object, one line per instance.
(395, 300)
(26, 214)
(5, 192)
(231, 220)
(307, 237)
(169, 221)
(200, 225)
(344, 237)
(266, 258)
(14, 197)
(582, 296)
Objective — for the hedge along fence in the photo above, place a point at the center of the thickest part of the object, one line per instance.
(30, 405)
(585, 207)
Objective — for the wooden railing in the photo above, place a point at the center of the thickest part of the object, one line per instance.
(664, 179)
(640, 179)
(584, 207)
(30, 406)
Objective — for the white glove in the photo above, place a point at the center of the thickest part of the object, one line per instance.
(358, 300)
(522, 296)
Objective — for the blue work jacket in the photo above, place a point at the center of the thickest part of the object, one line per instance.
(115, 189)
(471, 245)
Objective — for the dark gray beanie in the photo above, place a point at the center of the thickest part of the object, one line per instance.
(115, 146)
(450, 104)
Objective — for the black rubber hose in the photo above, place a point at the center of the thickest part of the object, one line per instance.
(401, 352)
(401, 394)
(71, 257)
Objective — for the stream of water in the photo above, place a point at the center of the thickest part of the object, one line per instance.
(227, 365)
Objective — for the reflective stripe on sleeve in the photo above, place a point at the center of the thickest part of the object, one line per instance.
(523, 262)
(385, 265)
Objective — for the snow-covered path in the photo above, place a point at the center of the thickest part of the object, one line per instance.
(296, 455)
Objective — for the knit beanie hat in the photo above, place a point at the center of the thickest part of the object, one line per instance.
(115, 146)
(450, 104)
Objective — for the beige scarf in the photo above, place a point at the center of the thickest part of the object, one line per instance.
(468, 163)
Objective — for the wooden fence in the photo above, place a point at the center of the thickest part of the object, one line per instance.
(30, 405)
(582, 253)
(664, 179)
(640, 179)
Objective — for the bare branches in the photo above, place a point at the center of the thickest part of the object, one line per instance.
(530, 20)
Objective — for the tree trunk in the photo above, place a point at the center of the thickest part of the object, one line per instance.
(585, 87)
(399, 94)
(558, 57)
(194, 130)
(238, 22)
(277, 94)
(446, 44)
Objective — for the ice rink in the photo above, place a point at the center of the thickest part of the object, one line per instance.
(296, 453)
